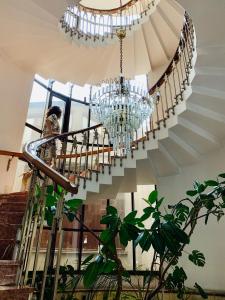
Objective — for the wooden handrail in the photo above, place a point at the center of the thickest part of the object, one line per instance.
(12, 154)
(87, 153)
(30, 154)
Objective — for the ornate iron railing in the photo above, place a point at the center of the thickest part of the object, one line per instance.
(82, 23)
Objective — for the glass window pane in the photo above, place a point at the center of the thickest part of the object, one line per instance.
(61, 88)
(42, 80)
(81, 92)
(58, 102)
(78, 116)
(37, 106)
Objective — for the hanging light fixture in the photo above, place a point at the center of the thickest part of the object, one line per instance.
(120, 106)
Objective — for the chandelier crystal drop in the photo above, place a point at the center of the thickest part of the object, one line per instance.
(121, 107)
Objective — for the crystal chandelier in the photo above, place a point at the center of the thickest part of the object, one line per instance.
(120, 106)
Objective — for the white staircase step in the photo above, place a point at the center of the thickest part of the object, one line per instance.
(200, 139)
(181, 151)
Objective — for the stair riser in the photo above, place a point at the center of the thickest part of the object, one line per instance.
(6, 249)
(8, 274)
(11, 218)
(8, 231)
(7, 207)
(8, 296)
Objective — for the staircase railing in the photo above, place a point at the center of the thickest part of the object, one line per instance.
(80, 22)
(83, 154)
(80, 156)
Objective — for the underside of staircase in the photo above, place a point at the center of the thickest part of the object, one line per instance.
(12, 208)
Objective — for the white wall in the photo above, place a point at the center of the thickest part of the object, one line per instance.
(209, 239)
(15, 89)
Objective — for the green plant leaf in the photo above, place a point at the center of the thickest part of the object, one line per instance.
(50, 189)
(109, 266)
(201, 291)
(130, 218)
(49, 217)
(70, 216)
(192, 193)
(111, 210)
(156, 215)
(128, 232)
(37, 191)
(179, 275)
(152, 197)
(176, 232)
(211, 183)
(88, 259)
(199, 187)
(74, 204)
(158, 242)
(106, 236)
(90, 274)
(145, 241)
(50, 200)
(109, 219)
(197, 258)
(59, 189)
(222, 175)
(159, 202)
(147, 213)
(169, 241)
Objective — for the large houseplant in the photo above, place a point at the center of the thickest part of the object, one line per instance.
(169, 234)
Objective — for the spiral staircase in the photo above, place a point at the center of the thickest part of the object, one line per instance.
(187, 79)
(191, 130)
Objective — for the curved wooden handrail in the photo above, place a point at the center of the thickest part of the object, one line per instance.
(30, 153)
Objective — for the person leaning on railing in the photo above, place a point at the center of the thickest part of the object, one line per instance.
(51, 127)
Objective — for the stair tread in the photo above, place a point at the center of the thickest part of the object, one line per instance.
(9, 262)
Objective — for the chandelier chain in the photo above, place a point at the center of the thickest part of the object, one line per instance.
(121, 41)
(121, 56)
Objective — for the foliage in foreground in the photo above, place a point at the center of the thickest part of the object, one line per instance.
(168, 236)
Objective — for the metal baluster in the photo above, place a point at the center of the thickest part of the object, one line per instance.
(97, 157)
(184, 67)
(70, 160)
(171, 95)
(80, 161)
(157, 109)
(95, 17)
(85, 143)
(174, 85)
(64, 149)
(186, 64)
(166, 97)
(179, 80)
(75, 144)
(38, 246)
(92, 146)
(103, 151)
(109, 153)
(183, 86)
(49, 259)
